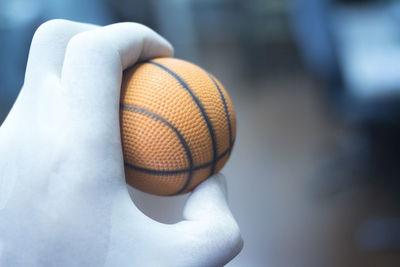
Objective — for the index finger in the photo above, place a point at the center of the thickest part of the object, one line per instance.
(93, 65)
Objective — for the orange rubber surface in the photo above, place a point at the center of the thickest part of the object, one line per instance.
(178, 126)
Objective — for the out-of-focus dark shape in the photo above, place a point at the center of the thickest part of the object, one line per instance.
(353, 47)
(310, 23)
(379, 233)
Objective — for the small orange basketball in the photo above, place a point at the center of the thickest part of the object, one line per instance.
(178, 126)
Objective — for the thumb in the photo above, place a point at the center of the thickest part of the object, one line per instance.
(208, 201)
(207, 217)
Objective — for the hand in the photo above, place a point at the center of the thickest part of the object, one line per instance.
(63, 196)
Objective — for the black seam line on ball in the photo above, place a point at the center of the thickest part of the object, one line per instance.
(175, 130)
(200, 106)
(173, 172)
(228, 118)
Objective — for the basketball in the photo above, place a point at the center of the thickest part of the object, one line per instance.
(178, 126)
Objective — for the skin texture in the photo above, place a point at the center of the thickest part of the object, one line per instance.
(63, 196)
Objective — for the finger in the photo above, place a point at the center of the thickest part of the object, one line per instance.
(209, 219)
(48, 45)
(93, 65)
(208, 201)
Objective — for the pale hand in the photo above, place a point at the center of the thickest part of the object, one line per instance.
(63, 196)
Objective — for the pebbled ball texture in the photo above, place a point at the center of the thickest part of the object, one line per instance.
(178, 126)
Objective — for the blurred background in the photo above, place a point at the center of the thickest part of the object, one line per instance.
(314, 176)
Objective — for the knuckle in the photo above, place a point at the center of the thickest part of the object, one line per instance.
(135, 27)
(229, 241)
(49, 28)
(223, 237)
(236, 241)
(80, 39)
(88, 41)
(224, 234)
(231, 236)
(216, 241)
